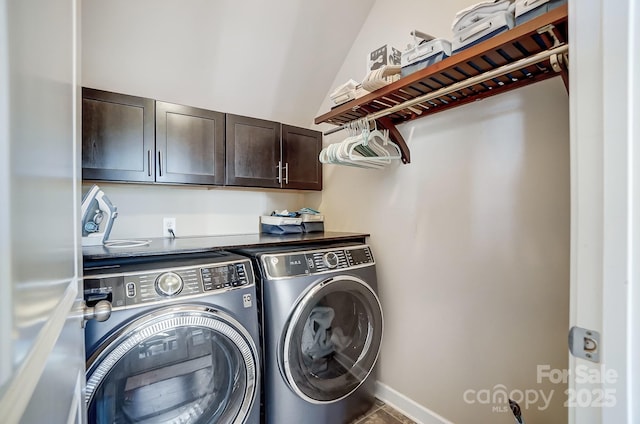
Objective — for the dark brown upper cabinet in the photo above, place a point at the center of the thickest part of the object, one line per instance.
(300, 150)
(253, 152)
(128, 138)
(189, 145)
(135, 139)
(118, 137)
(261, 153)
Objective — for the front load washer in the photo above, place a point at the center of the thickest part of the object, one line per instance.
(322, 329)
(181, 344)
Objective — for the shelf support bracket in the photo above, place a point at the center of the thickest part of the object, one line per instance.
(396, 137)
(560, 63)
(549, 30)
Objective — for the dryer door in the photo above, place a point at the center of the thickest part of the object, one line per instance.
(332, 339)
(181, 364)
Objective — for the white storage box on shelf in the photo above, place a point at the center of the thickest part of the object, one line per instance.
(425, 51)
(385, 55)
(529, 9)
(482, 30)
(280, 224)
(348, 91)
(344, 92)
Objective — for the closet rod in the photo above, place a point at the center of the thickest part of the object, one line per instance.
(505, 69)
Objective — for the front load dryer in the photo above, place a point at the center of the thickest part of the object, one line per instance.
(322, 329)
(181, 344)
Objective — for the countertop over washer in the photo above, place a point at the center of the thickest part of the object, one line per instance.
(182, 245)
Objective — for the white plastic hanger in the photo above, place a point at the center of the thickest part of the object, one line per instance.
(363, 148)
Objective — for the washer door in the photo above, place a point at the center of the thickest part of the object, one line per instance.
(181, 364)
(332, 339)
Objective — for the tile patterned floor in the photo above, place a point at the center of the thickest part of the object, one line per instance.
(382, 413)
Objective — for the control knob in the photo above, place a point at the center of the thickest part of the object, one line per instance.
(331, 260)
(169, 284)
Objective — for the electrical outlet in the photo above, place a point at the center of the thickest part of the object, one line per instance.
(168, 224)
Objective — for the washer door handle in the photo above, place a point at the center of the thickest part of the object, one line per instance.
(100, 312)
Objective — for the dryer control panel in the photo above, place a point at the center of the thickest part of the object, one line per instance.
(129, 289)
(292, 264)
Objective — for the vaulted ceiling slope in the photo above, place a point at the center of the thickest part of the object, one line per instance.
(268, 59)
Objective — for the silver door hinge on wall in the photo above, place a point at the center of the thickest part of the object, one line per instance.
(585, 344)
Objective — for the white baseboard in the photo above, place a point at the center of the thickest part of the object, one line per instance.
(408, 407)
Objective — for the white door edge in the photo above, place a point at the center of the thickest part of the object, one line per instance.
(21, 386)
(633, 329)
(604, 213)
(6, 317)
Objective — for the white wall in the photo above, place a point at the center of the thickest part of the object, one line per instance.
(471, 238)
(270, 60)
(198, 211)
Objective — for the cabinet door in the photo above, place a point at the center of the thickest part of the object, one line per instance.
(117, 136)
(189, 145)
(253, 152)
(300, 150)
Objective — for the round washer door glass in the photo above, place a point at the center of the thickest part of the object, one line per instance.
(332, 340)
(183, 365)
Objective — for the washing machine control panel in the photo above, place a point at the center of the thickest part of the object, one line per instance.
(282, 265)
(138, 288)
(220, 277)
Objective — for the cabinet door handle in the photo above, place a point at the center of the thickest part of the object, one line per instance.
(149, 163)
(279, 168)
(286, 173)
(159, 163)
